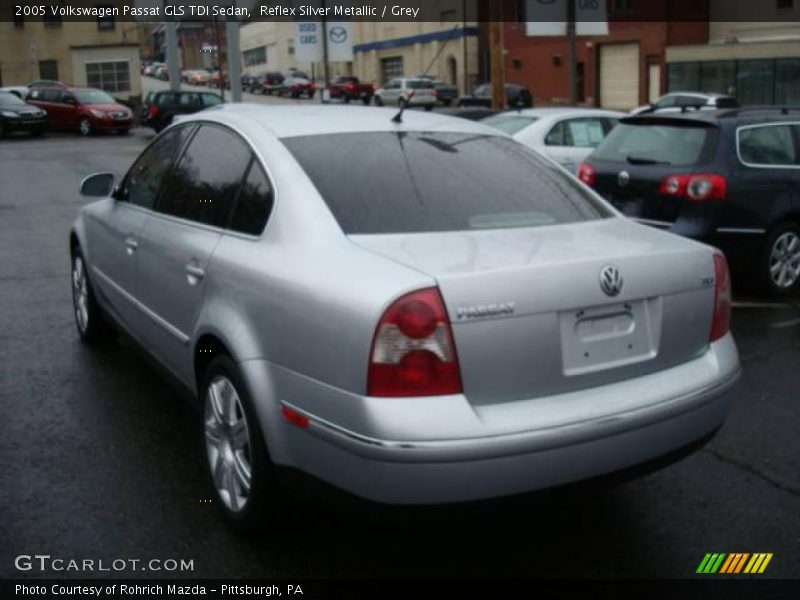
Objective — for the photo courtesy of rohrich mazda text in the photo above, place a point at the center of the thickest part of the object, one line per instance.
(425, 299)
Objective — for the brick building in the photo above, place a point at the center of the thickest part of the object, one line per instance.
(621, 70)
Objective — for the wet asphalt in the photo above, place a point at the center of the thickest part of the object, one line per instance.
(100, 458)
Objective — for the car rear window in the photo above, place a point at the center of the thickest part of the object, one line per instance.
(510, 124)
(425, 182)
(420, 84)
(658, 143)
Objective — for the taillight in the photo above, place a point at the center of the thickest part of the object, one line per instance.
(721, 323)
(413, 352)
(698, 188)
(587, 174)
(153, 111)
(350, 87)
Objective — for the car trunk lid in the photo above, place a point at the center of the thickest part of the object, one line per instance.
(530, 317)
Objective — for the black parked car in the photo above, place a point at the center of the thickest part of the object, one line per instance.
(17, 115)
(161, 107)
(268, 83)
(250, 82)
(517, 96)
(727, 177)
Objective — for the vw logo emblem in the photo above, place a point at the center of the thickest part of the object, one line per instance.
(338, 34)
(623, 179)
(611, 281)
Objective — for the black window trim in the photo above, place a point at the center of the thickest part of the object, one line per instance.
(794, 130)
(254, 155)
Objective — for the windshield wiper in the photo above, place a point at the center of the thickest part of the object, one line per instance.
(636, 160)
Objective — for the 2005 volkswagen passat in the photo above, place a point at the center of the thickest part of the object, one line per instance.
(419, 311)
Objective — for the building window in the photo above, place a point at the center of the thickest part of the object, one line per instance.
(391, 68)
(106, 23)
(785, 4)
(112, 76)
(48, 69)
(255, 56)
(751, 82)
(619, 6)
(51, 20)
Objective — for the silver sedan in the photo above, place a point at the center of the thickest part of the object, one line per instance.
(421, 311)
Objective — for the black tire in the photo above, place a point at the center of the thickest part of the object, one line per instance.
(37, 133)
(781, 247)
(378, 101)
(447, 102)
(2, 129)
(366, 101)
(264, 499)
(96, 328)
(346, 99)
(84, 127)
(428, 108)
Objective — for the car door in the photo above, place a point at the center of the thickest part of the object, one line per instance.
(572, 140)
(763, 188)
(391, 92)
(68, 105)
(178, 240)
(114, 232)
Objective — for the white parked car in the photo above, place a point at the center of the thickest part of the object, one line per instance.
(20, 91)
(565, 135)
(678, 101)
(410, 91)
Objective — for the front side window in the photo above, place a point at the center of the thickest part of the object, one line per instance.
(203, 185)
(211, 99)
(143, 181)
(436, 181)
(770, 145)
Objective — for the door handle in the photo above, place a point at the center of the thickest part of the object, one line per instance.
(131, 245)
(195, 272)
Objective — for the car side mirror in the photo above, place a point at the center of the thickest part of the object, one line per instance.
(98, 185)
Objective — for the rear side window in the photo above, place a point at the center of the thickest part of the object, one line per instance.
(768, 145)
(144, 179)
(254, 203)
(420, 84)
(422, 182)
(211, 99)
(577, 133)
(204, 183)
(654, 143)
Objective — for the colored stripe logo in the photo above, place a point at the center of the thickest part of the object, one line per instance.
(734, 563)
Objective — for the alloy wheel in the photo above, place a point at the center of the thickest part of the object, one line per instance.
(85, 127)
(228, 445)
(784, 260)
(80, 294)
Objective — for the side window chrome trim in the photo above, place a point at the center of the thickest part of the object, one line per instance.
(795, 137)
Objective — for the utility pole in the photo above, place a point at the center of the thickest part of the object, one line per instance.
(326, 65)
(234, 59)
(496, 53)
(572, 54)
(171, 29)
(464, 39)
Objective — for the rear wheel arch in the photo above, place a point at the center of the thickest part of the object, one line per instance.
(208, 347)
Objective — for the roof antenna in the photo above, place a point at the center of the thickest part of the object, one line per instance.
(398, 118)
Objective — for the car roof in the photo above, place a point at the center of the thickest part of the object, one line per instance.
(286, 121)
(558, 111)
(714, 117)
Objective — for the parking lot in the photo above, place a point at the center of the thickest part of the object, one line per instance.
(100, 458)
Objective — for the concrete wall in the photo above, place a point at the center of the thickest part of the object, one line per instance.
(54, 43)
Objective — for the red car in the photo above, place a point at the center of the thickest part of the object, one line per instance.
(296, 87)
(84, 110)
(350, 88)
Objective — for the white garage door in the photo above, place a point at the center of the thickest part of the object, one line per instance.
(619, 76)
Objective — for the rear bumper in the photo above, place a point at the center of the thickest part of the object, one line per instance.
(667, 413)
